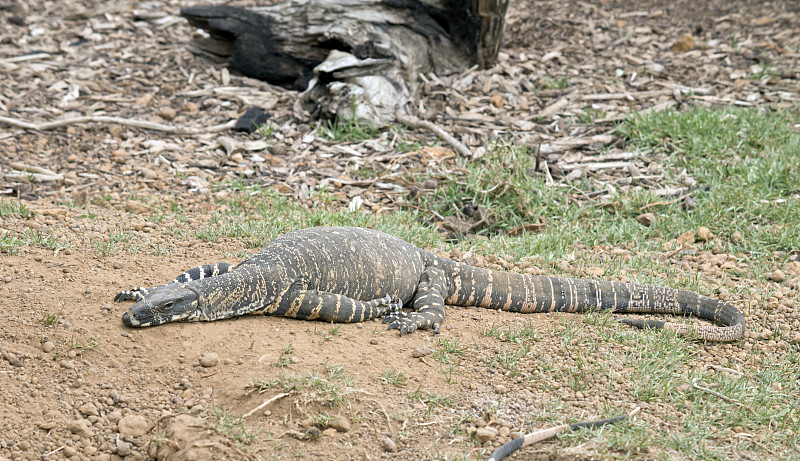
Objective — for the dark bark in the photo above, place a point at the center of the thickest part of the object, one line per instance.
(369, 46)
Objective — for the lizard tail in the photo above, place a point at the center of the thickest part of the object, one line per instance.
(531, 294)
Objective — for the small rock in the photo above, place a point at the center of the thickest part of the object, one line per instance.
(737, 236)
(684, 43)
(496, 100)
(48, 347)
(47, 425)
(686, 237)
(133, 206)
(123, 448)
(341, 424)
(167, 113)
(114, 416)
(505, 431)
(485, 434)
(80, 427)
(703, 234)
(209, 360)
(373, 341)
(500, 389)
(430, 184)
(13, 359)
(646, 219)
(132, 426)
(329, 432)
(66, 364)
(88, 410)
(778, 276)
(655, 68)
(422, 351)
(388, 445)
(595, 271)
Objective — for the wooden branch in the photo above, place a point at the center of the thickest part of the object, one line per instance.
(414, 122)
(45, 126)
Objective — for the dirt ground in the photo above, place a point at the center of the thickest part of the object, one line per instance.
(76, 384)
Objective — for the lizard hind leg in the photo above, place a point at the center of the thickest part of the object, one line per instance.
(195, 273)
(428, 305)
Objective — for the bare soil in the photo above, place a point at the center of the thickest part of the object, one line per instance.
(76, 384)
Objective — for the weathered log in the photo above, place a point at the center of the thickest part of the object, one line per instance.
(353, 58)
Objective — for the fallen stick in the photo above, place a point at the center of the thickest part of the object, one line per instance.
(414, 122)
(670, 202)
(715, 393)
(45, 126)
(545, 434)
(266, 402)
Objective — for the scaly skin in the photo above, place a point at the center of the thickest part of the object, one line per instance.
(346, 274)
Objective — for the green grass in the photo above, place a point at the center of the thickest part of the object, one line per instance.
(746, 163)
(330, 387)
(14, 207)
(223, 422)
(393, 377)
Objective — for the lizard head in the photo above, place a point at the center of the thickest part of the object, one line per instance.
(169, 303)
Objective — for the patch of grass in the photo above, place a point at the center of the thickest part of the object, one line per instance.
(518, 334)
(348, 130)
(393, 377)
(448, 349)
(52, 318)
(14, 207)
(91, 344)
(10, 244)
(37, 237)
(431, 400)
(231, 426)
(745, 162)
(285, 359)
(332, 386)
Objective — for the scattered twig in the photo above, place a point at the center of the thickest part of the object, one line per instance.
(545, 434)
(117, 120)
(730, 371)
(414, 122)
(55, 451)
(715, 393)
(668, 202)
(266, 402)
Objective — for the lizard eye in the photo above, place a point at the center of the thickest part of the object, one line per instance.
(167, 305)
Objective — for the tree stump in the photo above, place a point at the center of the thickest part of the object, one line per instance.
(353, 58)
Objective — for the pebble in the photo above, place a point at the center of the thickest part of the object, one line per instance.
(48, 347)
(80, 427)
(209, 360)
(167, 113)
(329, 432)
(341, 424)
(114, 416)
(88, 410)
(373, 341)
(778, 276)
(485, 434)
(132, 426)
(703, 234)
(500, 389)
(422, 351)
(646, 219)
(123, 448)
(388, 445)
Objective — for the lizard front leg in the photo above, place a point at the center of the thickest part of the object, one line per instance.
(301, 303)
(428, 304)
(195, 273)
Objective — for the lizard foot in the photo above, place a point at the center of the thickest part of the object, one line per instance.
(134, 293)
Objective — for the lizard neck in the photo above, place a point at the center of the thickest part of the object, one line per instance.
(239, 292)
